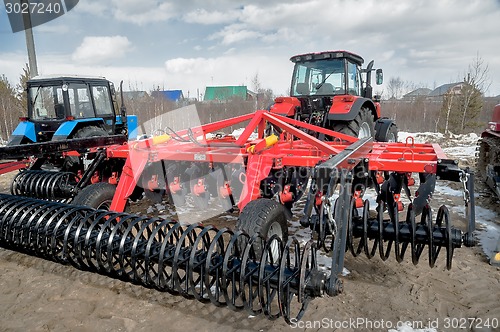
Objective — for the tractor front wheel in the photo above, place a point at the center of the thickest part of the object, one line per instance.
(362, 126)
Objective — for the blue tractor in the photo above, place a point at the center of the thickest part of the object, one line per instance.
(57, 146)
(69, 107)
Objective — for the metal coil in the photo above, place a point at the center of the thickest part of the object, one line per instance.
(54, 186)
(370, 235)
(219, 266)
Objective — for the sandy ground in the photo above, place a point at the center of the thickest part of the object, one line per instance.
(39, 295)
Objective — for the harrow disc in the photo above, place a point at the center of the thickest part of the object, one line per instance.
(368, 235)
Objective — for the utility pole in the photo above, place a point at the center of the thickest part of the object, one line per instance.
(30, 42)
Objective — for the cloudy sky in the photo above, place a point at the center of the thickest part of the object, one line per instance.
(192, 44)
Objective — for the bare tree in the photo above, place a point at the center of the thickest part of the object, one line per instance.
(256, 85)
(447, 107)
(463, 104)
(477, 82)
(395, 87)
(264, 96)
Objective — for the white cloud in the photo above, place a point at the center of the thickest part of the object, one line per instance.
(229, 69)
(143, 12)
(134, 77)
(421, 41)
(203, 16)
(95, 50)
(93, 7)
(234, 33)
(190, 66)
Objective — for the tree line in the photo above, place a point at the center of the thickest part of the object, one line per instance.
(462, 111)
(12, 103)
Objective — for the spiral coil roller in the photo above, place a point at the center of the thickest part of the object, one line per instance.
(53, 186)
(211, 265)
(379, 234)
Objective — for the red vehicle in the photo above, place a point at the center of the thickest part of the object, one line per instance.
(489, 153)
(489, 164)
(331, 90)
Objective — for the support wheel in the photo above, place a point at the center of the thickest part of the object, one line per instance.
(362, 126)
(392, 134)
(97, 196)
(265, 217)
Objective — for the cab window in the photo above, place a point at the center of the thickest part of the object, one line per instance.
(353, 79)
(102, 101)
(80, 102)
(47, 103)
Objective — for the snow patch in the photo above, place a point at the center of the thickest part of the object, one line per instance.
(406, 327)
(237, 133)
(425, 137)
(447, 191)
(490, 232)
(461, 152)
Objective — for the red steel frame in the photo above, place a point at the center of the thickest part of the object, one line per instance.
(294, 148)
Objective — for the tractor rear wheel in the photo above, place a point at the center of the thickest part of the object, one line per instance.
(90, 131)
(98, 196)
(72, 163)
(362, 126)
(265, 217)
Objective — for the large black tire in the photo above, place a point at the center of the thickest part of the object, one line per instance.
(265, 217)
(97, 196)
(90, 131)
(392, 134)
(489, 156)
(72, 163)
(358, 127)
(483, 158)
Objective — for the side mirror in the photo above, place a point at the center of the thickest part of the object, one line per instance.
(380, 76)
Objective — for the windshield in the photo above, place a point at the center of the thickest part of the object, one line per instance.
(46, 102)
(320, 77)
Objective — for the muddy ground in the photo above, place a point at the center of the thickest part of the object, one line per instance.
(40, 295)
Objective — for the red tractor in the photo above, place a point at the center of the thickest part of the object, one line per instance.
(489, 164)
(331, 90)
(489, 153)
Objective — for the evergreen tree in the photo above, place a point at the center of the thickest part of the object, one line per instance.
(10, 109)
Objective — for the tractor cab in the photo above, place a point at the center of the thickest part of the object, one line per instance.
(331, 74)
(58, 107)
(332, 90)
